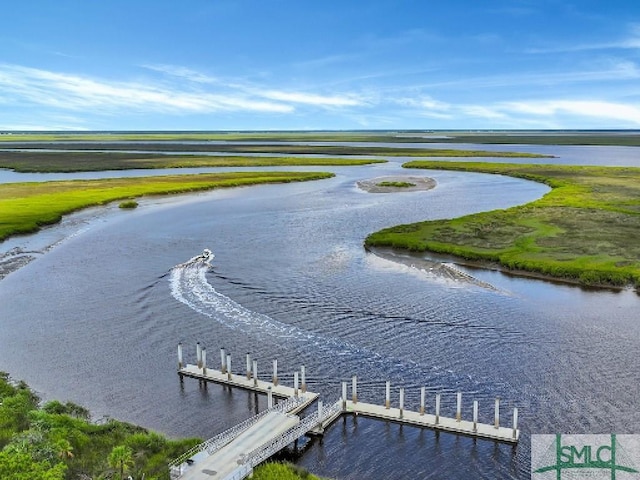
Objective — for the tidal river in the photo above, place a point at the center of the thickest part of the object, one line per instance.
(96, 320)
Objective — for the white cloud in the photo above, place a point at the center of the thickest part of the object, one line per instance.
(545, 113)
(481, 111)
(190, 92)
(631, 41)
(577, 108)
(181, 72)
(73, 92)
(41, 128)
(311, 98)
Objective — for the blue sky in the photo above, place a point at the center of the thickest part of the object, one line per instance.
(296, 64)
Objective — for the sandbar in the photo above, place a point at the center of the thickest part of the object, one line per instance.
(419, 184)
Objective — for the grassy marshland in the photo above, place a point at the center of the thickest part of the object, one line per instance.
(25, 207)
(32, 161)
(550, 137)
(206, 136)
(629, 139)
(584, 230)
(279, 149)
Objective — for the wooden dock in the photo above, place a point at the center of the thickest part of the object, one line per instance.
(425, 420)
(242, 447)
(251, 384)
(225, 461)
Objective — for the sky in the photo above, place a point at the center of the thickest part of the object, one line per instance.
(319, 65)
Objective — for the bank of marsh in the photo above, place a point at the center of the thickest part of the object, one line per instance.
(584, 230)
(25, 207)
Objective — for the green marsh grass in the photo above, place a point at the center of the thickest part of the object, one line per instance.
(396, 184)
(549, 137)
(278, 149)
(25, 207)
(128, 204)
(584, 230)
(32, 161)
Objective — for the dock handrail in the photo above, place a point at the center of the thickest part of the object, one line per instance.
(253, 458)
(217, 442)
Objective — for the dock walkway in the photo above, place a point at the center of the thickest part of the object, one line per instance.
(232, 454)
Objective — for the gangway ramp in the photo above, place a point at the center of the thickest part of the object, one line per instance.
(225, 461)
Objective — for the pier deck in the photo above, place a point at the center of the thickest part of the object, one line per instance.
(255, 385)
(234, 453)
(465, 427)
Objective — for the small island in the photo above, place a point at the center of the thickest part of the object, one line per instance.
(397, 184)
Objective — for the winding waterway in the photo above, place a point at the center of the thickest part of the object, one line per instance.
(96, 320)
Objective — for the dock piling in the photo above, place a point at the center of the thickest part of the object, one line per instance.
(354, 389)
(352, 406)
(223, 361)
(204, 361)
(387, 398)
(255, 373)
(303, 380)
(475, 415)
(275, 373)
(199, 354)
(180, 362)
(344, 396)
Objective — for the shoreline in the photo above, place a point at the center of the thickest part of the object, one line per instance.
(396, 255)
(545, 238)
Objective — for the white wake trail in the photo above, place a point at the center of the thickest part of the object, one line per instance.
(189, 286)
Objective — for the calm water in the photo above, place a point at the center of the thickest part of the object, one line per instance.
(96, 321)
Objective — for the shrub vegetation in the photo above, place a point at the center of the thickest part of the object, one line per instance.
(58, 441)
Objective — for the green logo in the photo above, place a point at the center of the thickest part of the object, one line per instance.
(583, 456)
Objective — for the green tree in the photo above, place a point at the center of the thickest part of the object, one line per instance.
(121, 457)
(20, 466)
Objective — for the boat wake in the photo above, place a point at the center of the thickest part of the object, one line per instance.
(189, 286)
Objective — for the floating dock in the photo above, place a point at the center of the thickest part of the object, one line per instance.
(238, 450)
